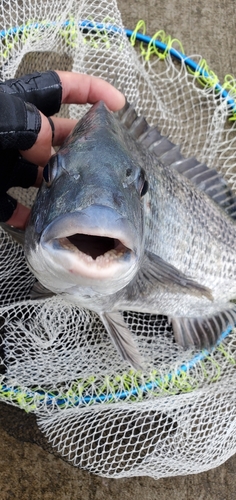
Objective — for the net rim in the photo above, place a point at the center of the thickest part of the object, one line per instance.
(203, 73)
(24, 397)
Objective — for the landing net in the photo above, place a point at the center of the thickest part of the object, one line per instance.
(177, 417)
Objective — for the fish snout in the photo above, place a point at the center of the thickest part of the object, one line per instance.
(96, 243)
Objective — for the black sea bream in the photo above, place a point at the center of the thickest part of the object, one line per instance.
(123, 221)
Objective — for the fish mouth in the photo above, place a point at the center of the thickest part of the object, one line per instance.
(95, 247)
(94, 243)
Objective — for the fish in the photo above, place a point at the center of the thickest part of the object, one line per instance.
(123, 221)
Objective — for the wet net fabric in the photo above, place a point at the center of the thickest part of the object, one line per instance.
(177, 417)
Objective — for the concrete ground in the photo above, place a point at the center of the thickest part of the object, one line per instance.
(30, 471)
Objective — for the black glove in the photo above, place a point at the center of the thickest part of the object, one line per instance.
(20, 123)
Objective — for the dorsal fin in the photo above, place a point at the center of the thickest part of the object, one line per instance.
(205, 178)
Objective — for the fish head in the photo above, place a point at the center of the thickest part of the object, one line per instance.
(87, 224)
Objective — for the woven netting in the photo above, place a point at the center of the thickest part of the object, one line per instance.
(178, 416)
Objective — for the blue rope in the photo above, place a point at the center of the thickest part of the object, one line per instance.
(139, 36)
(122, 395)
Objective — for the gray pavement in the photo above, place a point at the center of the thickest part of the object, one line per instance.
(30, 471)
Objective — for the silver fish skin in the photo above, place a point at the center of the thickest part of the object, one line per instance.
(99, 239)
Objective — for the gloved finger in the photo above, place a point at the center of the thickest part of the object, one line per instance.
(78, 88)
(14, 213)
(22, 173)
(7, 206)
(44, 90)
(20, 123)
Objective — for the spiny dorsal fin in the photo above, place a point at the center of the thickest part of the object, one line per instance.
(150, 136)
(127, 115)
(138, 126)
(171, 156)
(206, 179)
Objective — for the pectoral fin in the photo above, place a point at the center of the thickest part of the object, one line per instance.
(154, 269)
(202, 332)
(122, 338)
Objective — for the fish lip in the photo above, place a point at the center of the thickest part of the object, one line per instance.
(96, 220)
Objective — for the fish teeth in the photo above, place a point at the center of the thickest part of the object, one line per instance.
(86, 257)
(109, 256)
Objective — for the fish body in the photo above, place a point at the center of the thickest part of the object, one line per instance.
(122, 222)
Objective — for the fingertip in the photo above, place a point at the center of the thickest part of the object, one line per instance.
(81, 88)
(118, 102)
(102, 90)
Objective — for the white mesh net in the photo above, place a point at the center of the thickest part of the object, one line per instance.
(56, 360)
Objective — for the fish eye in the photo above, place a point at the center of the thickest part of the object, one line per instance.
(50, 171)
(142, 183)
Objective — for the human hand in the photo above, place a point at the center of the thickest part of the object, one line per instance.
(27, 134)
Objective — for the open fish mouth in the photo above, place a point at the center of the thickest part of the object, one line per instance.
(94, 247)
(96, 243)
